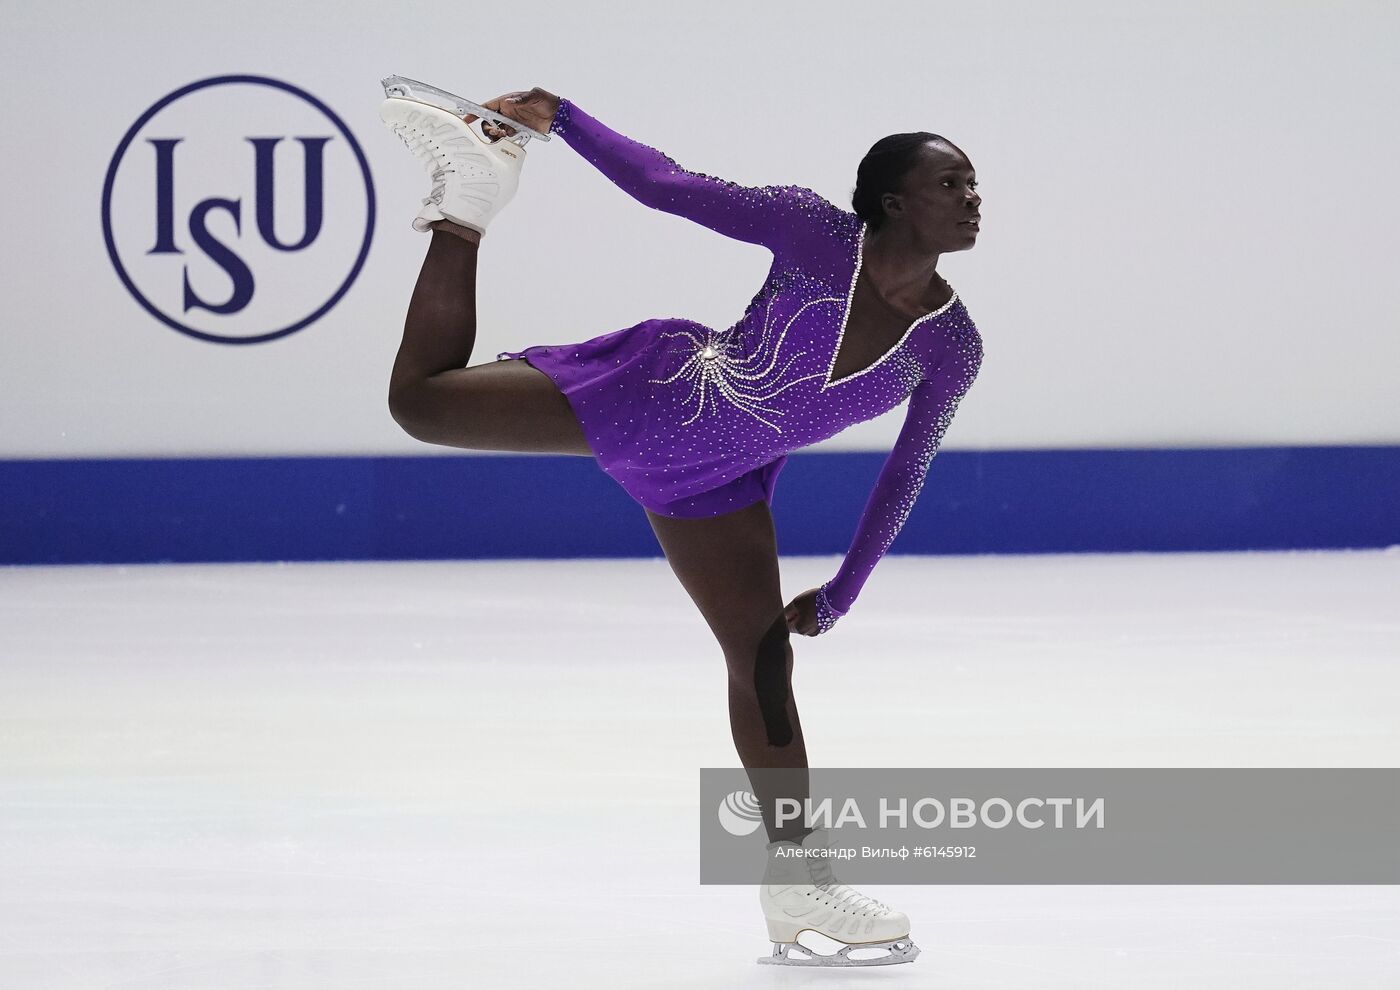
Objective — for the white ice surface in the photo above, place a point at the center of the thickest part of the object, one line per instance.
(484, 775)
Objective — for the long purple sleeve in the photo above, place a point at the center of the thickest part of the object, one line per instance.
(763, 215)
(931, 408)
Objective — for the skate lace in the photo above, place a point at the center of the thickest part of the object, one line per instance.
(423, 149)
(846, 897)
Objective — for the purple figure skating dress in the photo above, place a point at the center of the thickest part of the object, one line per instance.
(694, 422)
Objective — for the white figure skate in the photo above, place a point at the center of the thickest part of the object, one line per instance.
(800, 894)
(475, 174)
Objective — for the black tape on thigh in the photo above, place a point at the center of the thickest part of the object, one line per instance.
(770, 681)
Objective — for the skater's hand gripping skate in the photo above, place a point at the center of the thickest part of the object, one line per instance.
(801, 613)
(534, 108)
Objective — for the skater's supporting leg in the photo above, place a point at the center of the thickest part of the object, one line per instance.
(772, 678)
(729, 566)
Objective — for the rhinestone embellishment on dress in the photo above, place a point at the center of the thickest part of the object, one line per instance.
(718, 366)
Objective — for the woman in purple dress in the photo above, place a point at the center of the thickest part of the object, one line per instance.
(694, 423)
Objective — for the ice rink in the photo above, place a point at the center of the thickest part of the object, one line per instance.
(485, 774)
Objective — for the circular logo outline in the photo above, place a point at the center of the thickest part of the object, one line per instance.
(160, 105)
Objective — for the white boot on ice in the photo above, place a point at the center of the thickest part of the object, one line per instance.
(800, 894)
(473, 176)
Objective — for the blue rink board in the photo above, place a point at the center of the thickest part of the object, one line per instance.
(469, 506)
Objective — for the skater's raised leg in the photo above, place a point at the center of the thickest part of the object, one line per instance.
(500, 405)
(440, 331)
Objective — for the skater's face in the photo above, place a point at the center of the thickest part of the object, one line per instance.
(938, 197)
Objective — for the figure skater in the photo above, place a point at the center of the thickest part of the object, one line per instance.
(695, 423)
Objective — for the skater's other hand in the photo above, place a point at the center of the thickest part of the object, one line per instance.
(534, 108)
(801, 613)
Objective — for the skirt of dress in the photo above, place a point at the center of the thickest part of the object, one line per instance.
(637, 427)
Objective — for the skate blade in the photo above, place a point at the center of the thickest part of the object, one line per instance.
(899, 950)
(403, 88)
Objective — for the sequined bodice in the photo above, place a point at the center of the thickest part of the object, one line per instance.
(816, 351)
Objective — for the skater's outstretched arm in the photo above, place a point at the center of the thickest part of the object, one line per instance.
(766, 215)
(931, 409)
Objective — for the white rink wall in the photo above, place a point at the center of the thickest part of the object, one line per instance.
(1190, 216)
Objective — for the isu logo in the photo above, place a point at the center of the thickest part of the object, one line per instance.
(238, 209)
